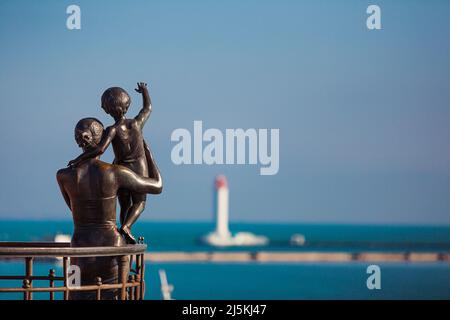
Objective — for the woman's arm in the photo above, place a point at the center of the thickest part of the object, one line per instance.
(129, 180)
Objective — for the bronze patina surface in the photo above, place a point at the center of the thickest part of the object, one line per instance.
(129, 147)
(90, 186)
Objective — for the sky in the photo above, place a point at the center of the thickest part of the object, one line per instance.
(363, 114)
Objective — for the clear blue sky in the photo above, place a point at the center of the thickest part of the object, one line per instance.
(364, 116)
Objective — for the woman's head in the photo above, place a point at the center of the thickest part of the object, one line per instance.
(88, 133)
(115, 101)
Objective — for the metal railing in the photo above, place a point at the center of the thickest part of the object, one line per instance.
(130, 286)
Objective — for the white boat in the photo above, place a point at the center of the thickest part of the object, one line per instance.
(298, 239)
(239, 239)
(59, 237)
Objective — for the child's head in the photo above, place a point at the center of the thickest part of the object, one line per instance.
(115, 101)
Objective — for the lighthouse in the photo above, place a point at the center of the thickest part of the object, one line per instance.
(221, 207)
(221, 236)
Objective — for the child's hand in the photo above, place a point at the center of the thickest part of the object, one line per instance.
(142, 86)
(73, 163)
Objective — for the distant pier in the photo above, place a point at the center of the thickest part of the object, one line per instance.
(266, 256)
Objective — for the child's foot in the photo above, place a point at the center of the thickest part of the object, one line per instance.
(127, 234)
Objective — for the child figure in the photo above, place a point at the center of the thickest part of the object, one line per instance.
(130, 150)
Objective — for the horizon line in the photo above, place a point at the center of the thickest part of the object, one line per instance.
(260, 222)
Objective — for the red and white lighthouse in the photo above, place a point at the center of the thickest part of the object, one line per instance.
(221, 209)
(222, 236)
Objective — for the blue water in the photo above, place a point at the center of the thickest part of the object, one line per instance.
(184, 236)
(278, 281)
(253, 280)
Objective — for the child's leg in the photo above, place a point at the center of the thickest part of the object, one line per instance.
(133, 214)
(125, 205)
(136, 209)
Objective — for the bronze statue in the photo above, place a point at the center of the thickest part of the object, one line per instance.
(90, 190)
(130, 149)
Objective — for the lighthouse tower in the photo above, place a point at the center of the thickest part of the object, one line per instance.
(221, 236)
(221, 207)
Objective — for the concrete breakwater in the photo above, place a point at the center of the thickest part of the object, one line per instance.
(267, 256)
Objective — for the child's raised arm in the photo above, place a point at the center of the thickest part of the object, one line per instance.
(143, 115)
(109, 135)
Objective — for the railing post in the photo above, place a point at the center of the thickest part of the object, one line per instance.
(140, 270)
(99, 288)
(66, 291)
(51, 275)
(141, 274)
(131, 263)
(137, 289)
(123, 276)
(26, 285)
(29, 274)
(131, 279)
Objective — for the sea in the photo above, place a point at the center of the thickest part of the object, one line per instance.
(269, 280)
